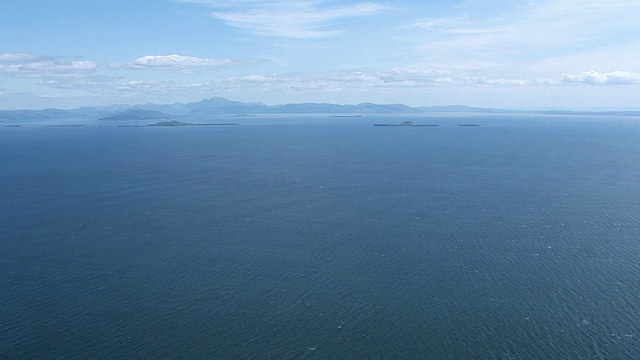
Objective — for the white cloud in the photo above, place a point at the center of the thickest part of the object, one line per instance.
(596, 78)
(289, 19)
(172, 62)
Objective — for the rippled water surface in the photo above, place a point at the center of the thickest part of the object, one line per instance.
(518, 239)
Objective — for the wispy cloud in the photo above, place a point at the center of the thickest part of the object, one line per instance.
(23, 58)
(179, 63)
(453, 26)
(27, 65)
(289, 19)
(527, 34)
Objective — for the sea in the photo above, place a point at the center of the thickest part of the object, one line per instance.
(316, 237)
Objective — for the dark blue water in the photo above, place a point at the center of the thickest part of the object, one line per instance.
(519, 239)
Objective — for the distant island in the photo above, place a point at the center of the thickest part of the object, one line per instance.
(65, 125)
(184, 123)
(406, 123)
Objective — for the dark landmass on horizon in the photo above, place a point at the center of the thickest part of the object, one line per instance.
(216, 106)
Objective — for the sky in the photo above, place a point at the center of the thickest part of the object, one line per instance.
(516, 54)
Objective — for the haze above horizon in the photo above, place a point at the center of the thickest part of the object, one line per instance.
(528, 54)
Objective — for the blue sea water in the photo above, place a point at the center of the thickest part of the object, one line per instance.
(323, 238)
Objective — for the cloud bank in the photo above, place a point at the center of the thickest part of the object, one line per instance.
(596, 78)
(82, 75)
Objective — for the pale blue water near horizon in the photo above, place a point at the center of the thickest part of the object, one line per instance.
(323, 239)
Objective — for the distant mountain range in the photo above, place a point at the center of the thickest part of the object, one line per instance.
(222, 106)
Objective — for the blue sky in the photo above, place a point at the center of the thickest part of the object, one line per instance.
(510, 54)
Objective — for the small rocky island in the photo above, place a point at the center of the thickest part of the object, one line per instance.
(406, 123)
